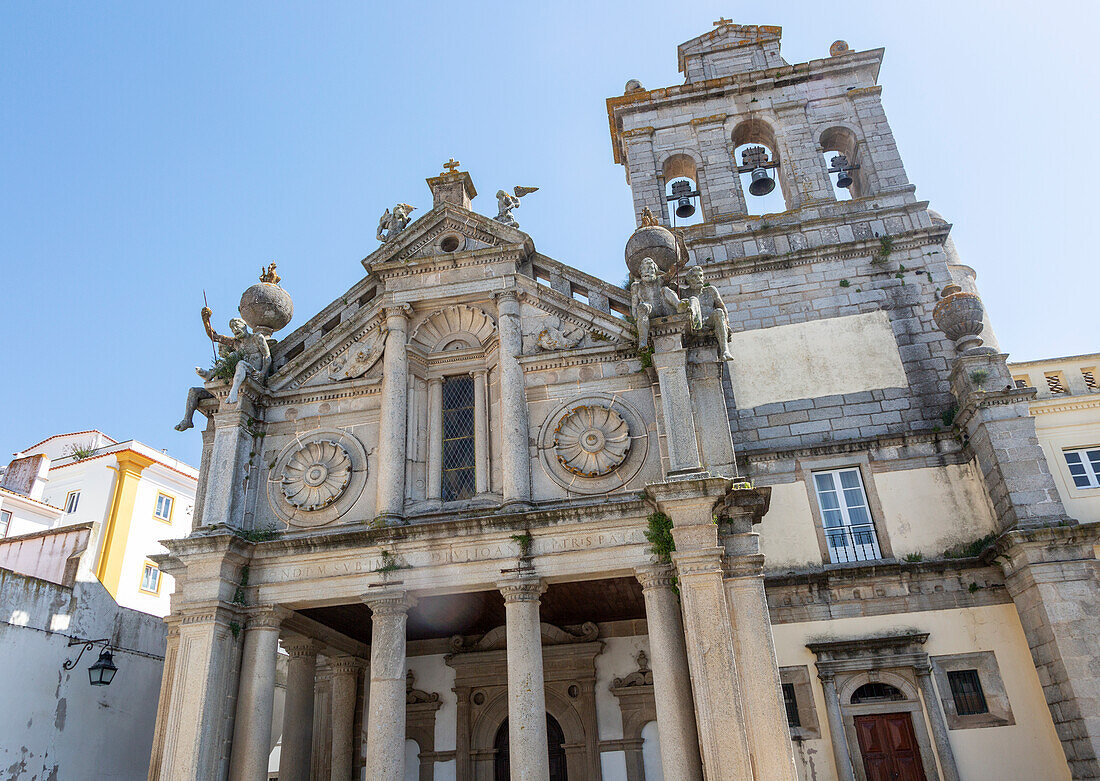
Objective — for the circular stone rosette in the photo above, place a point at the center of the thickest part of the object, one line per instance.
(317, 478)
(317, 475)
(593, 444)
(591, 440)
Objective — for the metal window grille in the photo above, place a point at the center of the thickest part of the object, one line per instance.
(849, 531)
(966, 690)
(791, 704)
(458, 438)
(1084, 467)
(1020, 382)
(1090, 379)
(1056, 383)
(876, 691)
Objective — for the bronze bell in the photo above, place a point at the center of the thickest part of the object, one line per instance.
(681, 191)
(844, 179)
(762, 183)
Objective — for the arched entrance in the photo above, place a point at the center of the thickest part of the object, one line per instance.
(555, 740)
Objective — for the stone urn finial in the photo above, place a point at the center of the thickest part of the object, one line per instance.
(959, 315)
(265, 306)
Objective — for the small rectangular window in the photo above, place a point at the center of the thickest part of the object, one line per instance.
(163, 512)
(1084, 466)
(966, 691)
(5, 522)
(791, 704)
(1089, 376)
(71, 502)
(458, 438)
(1056, 382)
(849, 531)
(1021, 382)
(150, 578)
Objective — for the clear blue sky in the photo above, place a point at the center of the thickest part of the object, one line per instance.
(151, 150)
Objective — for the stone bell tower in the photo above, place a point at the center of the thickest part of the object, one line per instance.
(739, 90)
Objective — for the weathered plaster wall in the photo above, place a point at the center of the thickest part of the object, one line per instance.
(1066, 430)
(788, 538)
(1029, 749)
(54, 725)
(819, 358)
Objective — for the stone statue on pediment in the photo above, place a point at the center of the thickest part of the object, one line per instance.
(708, 311)
(506, 202)
(650, 297)
(392, 223)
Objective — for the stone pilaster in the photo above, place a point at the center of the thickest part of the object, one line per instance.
(345, 682)
(206, 668)
(646, 182)
(204, 474)
(690, 504)
(841, 754)
(393, 420)
(1053, 576)
(222, 496)
(758, 669)
(255, 696)
(514, 437)
(670, 363)
(526, 694)
(301, 680)
(934, 708)
(164, 702)
(995, 416)
(435, 439)
(481, 431)
(801, 156)
(677, 731)
(386, 717)
(721, 186)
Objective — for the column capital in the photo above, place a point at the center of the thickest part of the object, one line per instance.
(827, 676)
(521, 589)
(707, 561)
(297, 646)
(435, 381)
(346, 664)
(479, 373)
(654, 577)
(745, 566)
(265, 617)
(389, 603)
(507, 294)
(397, 312)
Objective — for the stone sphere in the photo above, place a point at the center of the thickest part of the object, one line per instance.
(652, 241)
(633, 86)
(838, 48)
(266, 307)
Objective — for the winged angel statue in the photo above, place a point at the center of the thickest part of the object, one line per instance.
(506, 202)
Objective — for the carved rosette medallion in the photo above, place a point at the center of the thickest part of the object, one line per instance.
(591, 440)
(317, 475)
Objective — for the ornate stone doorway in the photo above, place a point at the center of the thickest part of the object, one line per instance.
(555, 747)
(889, 747)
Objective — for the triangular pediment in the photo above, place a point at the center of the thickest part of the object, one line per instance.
(446, 230)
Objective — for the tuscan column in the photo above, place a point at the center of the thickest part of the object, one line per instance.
(301, 680)
(514, 442)
(836, 727)
(676, 731)
(690, 503)
(435, 438)
(345, 680)
(386, 716)
(481, 432)
(393, 419)
(528, 756)
(255, 697)
(939, 724)
(758, 669)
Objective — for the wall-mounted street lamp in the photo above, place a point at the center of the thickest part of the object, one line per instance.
(103, 670)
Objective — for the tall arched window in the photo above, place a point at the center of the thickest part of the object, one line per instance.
(685, 206)
(760, 170)
(840, 152)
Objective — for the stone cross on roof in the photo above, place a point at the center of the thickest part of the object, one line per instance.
(451, 165)
(721, 21)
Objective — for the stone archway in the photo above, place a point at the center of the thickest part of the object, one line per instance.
(555, 749)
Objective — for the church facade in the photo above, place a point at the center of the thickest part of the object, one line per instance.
(784, 518)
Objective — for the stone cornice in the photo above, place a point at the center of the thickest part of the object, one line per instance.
(858, 445)
(1064, 404)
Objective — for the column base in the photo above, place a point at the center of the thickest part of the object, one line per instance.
(515, 506)
(389, 519)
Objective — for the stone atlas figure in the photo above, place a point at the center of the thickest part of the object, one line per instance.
(265, 307)
(506, 203)
(708, 311)
(650, 297)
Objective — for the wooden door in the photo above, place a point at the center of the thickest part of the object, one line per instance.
(889, 747)
(555, 738)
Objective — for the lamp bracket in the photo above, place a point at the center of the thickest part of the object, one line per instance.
(88, 645)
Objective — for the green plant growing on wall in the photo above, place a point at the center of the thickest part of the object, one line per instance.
(845, 283)
(979, 377)
(224, 368)
(80, 452)
(970, 550)
(885, 248)
(913, 558)
(948, 416)
(645, 355)
(390, 563)
(238, 595)
(524, 541)
(258, 535)
(658, 534)
(235, 628)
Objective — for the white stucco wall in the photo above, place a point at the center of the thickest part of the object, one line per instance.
(433, 675)
(1025, 751)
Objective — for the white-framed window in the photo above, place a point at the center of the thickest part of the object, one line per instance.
(71, 502)
(5, 522)
(849, 530)
(1084, 466)
(163, 511)
(150, 578)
